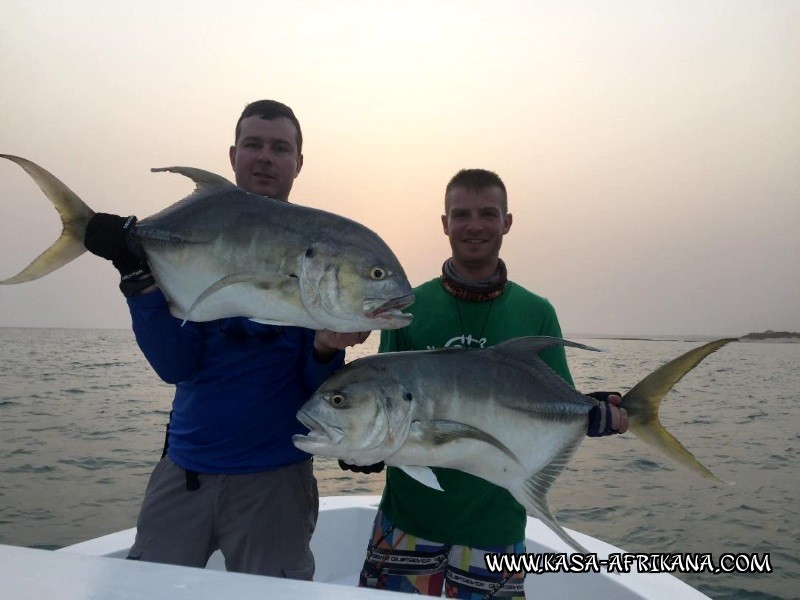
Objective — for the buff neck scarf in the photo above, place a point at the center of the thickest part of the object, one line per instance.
(474, 291)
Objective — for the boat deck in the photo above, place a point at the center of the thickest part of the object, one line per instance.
(93, 569)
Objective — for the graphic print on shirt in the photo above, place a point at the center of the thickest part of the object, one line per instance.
(463, 341)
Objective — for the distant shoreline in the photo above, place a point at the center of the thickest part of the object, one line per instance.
(646, 338)
(765, 336)
(772, 336)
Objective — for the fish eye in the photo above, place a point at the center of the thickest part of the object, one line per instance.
(377, 273)
(336, 400)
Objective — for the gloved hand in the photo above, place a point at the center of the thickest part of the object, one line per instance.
(109, 236)
(376, 468)
(601, 417)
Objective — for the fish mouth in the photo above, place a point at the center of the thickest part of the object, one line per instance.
(392, 309)
(318, 431)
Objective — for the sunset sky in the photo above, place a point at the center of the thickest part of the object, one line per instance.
(651, 149)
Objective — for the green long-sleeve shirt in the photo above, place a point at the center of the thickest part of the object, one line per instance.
(471, 511)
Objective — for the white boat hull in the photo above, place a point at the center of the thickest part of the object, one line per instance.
(92, 570)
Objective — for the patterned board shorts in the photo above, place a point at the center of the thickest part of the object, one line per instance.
(402, 562)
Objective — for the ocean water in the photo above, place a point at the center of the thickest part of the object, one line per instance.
(82, 420)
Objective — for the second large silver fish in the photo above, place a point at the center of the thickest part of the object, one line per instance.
(499, 413)
(223, 252)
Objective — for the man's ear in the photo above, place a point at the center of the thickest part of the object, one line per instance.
(507, 220)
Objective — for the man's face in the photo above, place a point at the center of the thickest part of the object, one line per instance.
(265, 158)
(475, 224)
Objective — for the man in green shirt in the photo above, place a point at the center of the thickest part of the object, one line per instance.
(424, 539)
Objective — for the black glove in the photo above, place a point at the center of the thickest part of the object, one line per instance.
(109, 236)
(600, 415)
(376, 468)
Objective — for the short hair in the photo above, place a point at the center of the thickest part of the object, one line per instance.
(269, 110)
(476, 180)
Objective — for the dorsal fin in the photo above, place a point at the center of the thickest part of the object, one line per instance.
(204, 180)
(524, 348)
(207, 185)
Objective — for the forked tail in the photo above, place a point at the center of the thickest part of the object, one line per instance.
(74, 217)
(643, 400)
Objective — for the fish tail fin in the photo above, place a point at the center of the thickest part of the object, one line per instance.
(643, 400)
(74, 213)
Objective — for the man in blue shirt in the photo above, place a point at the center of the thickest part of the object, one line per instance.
(230, 479)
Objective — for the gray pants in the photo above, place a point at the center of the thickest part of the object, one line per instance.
(262, 522)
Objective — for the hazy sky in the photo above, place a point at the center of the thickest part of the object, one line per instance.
(651, 149)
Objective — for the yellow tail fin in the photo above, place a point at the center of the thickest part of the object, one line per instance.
(643, 400)
(74, 216)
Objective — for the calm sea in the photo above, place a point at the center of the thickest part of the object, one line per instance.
(82, 420)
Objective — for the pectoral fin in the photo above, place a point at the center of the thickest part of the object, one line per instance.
(423, 475)
(263, 281)
(444, 431)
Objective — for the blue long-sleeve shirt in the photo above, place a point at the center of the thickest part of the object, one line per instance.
(239, 385)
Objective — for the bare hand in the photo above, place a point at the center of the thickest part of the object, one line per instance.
(327, 343)
(619, 416)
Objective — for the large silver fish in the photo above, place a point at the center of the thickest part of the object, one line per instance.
(499, 413)
(223, 252)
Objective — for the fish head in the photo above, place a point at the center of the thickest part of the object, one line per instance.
(360, 414)
(356, 285)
